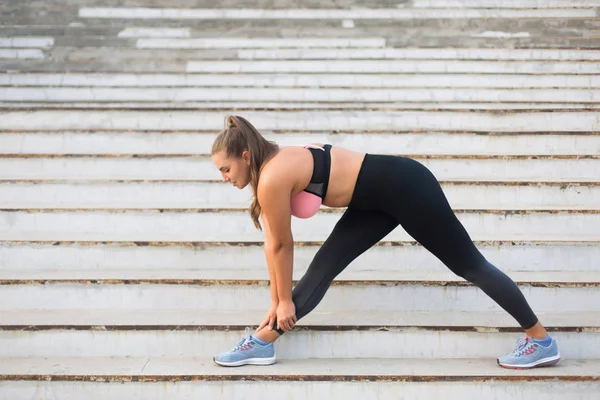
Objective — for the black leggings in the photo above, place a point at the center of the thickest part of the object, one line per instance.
(392, 190)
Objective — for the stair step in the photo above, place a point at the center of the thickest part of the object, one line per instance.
(344, 320)
(251, 295)
(260, 43)
(488, 168)
(26, 42)
(124, 377)
(328, 13)
(61, 369)
(21, 54)
(416, 4)
(332, 43)
(155, 32)
(188, 194)
(495, 37)
(557, 121)
(391, 66)
(208, 275)
(303, 80)
(355, 340)
(391, 53)
(199, 142)
(297, 379)
(336, 47)
(207, 225)
(49, 258)
(61, 94)
(289, 106)
(140, 64)
(502, 3)
(106, 65)
(91, 49)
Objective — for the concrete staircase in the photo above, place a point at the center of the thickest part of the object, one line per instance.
(125, 263)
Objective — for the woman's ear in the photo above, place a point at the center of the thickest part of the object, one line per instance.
(246, 157)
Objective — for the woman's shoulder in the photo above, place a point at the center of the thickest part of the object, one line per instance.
(285, 170)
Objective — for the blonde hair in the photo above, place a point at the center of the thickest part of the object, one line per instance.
(240, 135)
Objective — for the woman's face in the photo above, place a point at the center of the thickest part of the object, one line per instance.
(234, 170)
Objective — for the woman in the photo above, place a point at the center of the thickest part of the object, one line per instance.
(380, 193)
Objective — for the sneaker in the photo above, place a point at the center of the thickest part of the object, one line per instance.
(247, 351)
(528, 354)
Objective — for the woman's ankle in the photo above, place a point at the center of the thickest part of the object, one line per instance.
(537, 331)
(267, 335)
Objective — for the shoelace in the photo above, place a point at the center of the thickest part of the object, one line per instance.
(243, 341)
(522, 345)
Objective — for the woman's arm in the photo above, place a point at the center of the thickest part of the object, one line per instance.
(274, 199)
(274, 195)
(270, 261)
(282, 259)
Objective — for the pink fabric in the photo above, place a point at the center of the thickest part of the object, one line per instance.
(304, 204)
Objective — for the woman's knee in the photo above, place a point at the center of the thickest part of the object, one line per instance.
(469, 268)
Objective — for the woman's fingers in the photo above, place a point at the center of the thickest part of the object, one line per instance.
(262, 325)
(289, 324)
(286, 324)
(283, 326)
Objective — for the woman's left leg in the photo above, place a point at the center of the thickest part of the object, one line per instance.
(354, 233)
(424, 212)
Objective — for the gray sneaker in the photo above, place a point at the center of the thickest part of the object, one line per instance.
(528, 354)
(247, 351)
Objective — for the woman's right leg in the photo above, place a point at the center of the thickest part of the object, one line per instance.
(354, 233)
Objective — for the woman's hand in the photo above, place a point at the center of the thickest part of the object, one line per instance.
(286, 315)
(269, 318)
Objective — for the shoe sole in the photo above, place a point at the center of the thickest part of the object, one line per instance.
(544, 362)
(248, 361)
